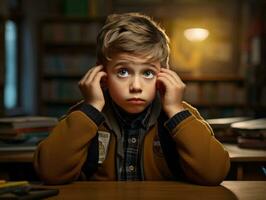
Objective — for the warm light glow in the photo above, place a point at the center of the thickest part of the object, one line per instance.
(196, 34)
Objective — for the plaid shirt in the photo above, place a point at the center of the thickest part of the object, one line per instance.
(133, 129)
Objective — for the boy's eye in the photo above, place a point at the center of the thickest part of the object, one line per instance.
(123, 73)
(149, 74)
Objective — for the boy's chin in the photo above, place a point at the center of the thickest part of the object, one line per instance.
(134, 110)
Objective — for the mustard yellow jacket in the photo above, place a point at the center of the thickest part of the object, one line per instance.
(195, 155)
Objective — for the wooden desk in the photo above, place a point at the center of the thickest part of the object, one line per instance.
(242, 157)
(229, 190)
(17, 165)
(16, 157)
(238, 156)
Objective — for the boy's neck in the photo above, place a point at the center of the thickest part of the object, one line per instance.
(129, 118)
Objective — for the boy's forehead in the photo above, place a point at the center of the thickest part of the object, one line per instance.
(134, 59)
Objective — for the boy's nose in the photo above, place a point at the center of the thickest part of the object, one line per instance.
(135, 85)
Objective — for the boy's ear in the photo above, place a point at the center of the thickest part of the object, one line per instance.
(103, 82)
(160, 87)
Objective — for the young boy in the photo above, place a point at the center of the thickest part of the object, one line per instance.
(132, 123)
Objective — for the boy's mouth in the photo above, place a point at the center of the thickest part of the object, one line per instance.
(136, 101)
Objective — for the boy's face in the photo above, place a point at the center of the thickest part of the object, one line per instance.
(131, 81)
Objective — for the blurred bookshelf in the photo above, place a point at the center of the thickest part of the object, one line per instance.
(67, 50)
(216, 96)
(255, 59)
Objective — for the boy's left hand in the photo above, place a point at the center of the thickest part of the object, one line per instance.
(171, 89)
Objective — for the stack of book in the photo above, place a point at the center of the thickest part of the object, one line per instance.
(251, 133)
(21, 131)
(222, 128)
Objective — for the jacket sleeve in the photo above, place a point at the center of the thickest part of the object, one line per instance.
(202, 157)
(60, 157)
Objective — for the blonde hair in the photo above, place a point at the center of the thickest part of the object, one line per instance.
(132, 33)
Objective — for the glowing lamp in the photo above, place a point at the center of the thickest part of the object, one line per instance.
(196, 34)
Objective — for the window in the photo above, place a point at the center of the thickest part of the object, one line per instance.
(11, 86)
(11, 99)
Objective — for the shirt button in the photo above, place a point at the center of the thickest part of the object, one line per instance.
(133, 140)
(131, 168)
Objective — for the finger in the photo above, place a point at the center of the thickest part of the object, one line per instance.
(165, 81)
(98, 77)
(81, 81)
(93, 73)
(172, 74)
(84, 78)
(168, 77)
(178, 83)
(90, 74)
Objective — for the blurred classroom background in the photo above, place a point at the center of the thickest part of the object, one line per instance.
(217, 47)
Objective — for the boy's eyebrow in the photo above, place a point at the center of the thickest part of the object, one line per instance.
(133, 62)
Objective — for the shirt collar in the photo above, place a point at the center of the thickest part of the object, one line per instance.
(108, 111)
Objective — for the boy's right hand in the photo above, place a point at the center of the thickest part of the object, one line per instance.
(90, 87)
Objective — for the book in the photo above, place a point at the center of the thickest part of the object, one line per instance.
(27, 122)
(21, 137)
(14, 145)
(24, 190)
(25, 129)
(251, 133)
(254, 143)
(255, 124)
(8, 186)
(222, 128)
(20, 131)
(225, 122)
